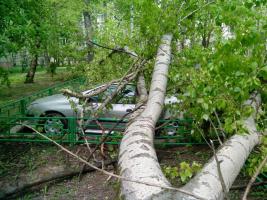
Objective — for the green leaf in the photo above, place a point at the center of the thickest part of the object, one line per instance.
(206, 117)
(221, 104)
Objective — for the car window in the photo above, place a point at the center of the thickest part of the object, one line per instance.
(107, 93)
(126, 96)
(94, 99)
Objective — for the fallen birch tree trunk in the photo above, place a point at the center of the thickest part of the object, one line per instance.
(138, 160)
(231, 155)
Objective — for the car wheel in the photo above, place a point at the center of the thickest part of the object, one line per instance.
(174, 128)
(53, 125)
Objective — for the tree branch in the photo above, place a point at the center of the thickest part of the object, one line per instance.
(253, 178)
(121, 85)
(95, 91)
(219, 171)
(215, 129)
(194, 11)
(105, 136)
(122, 50)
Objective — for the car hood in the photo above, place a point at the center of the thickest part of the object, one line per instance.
(57, 98)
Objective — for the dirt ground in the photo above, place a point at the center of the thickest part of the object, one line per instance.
(17, 159)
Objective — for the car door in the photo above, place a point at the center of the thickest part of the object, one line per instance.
(123, 103)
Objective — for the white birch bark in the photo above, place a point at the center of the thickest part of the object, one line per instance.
(232, 156)
(137, 158)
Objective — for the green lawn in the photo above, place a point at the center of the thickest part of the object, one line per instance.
(42, 79)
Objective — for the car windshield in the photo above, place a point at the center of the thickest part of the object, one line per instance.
(126, 96)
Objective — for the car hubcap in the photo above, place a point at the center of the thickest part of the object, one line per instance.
(53, 126)
(173, 130)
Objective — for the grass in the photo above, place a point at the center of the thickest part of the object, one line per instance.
(42, 80)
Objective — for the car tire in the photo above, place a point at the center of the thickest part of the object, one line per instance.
(170, 131)
(173, 131)
(54, 126)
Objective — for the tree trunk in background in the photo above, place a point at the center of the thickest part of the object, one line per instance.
(206, 39)
(137, 158)
(35, 49)
(88, 32)
(14, 59)
(24, 63)
(46, 59)
(32, 70)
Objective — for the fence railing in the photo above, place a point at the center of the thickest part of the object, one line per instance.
(68, 130)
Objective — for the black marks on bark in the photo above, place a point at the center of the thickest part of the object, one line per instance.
(229, 158)
(206, 184)
(162, 63)
(157, 69)
(147, 119)
(138, 133)
(124, 171)
(215, 176)
(226, 146)
(244, 147)
(158, 178)
(144, 147)
(144, 155)
(148, 127)
(122, 153)
(159, 103)
(163, 74)
(158, 89)
(142, 141)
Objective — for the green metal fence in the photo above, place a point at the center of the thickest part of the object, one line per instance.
(16, 129)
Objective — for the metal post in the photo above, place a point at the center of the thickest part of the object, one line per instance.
(50, 91)
(72, 129)
(22, 107)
